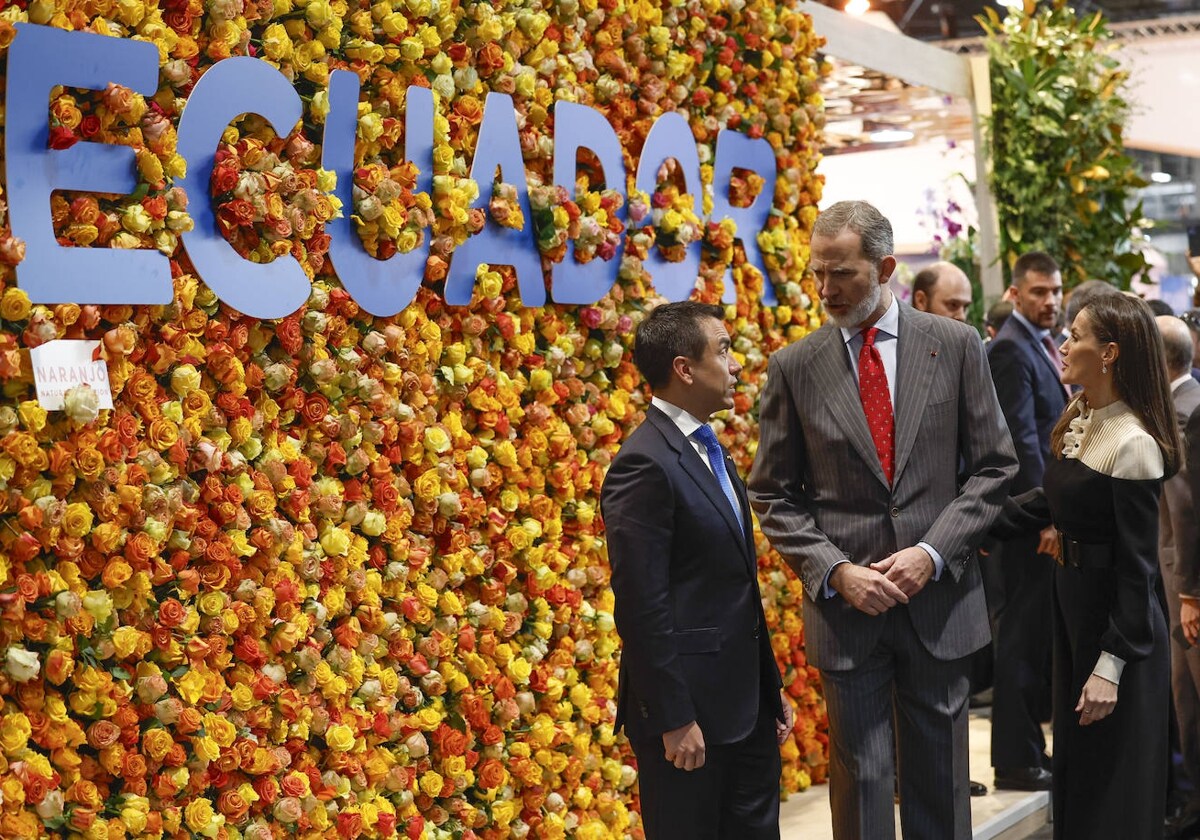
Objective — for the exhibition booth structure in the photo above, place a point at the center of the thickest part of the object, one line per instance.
(315, 323)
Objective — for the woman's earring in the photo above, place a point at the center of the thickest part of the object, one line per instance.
(1104, 368)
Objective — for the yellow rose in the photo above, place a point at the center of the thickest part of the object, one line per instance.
(206, 748)
(198, 813)
(156, 743)
(428, 485)
(519, 670)
(15, 305)
(335, 542)
(504, 812)
(211, 603)
(184, 380)
(33, 416)
(431, 783)
(134, 820)
(125, 640)
(77, 520)
(15, 732)
(339, 737)
(277, 45)
(190, 686)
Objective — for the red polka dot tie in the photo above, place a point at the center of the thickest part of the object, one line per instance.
(877, 402)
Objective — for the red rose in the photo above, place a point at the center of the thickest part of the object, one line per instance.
(62, 138)
(89, 126)
(224, 179)
(349, 824)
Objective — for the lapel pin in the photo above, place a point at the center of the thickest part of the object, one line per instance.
(933, 353)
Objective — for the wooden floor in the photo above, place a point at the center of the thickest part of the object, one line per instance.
(1006, 815)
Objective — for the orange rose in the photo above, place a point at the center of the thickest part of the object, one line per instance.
(492, 774)
(189, 721)
(59, 666)
(141, 387)
(139, 548)
(172, 613)
(133, 766)
(233, 805)
(117, 573)
(103, 733)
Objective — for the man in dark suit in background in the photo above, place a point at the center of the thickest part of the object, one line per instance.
(1026, 369)
(1179, 561)
(879, 512)
(700, 694)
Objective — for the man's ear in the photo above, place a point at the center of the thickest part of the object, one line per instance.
(887, 266)
(920, 300)
(682, 366)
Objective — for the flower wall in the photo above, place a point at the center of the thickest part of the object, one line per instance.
(339, 575)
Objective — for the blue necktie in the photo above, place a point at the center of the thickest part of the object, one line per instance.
(716, 459)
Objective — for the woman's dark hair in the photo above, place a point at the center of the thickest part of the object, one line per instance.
(1139, 374)
(670, 330)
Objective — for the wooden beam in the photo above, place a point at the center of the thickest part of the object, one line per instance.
(914, 61)
(991, 272)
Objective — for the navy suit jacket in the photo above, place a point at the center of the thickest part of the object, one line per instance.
(1031, 396)
(687, 603)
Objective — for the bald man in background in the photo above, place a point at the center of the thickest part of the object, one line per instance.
(942, 289)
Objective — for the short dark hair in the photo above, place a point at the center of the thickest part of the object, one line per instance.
(925, 280)
(670, 330)
(1160, 307)
(1085, 293)
(1036, 261)
(998, 314)
(873, 229)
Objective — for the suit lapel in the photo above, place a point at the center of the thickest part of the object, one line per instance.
(840, 392)
(692, 464)
(916, 363)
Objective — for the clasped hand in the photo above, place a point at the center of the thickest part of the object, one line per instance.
(877, 588)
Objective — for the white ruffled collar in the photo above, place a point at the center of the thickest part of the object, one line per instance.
(1077, 432)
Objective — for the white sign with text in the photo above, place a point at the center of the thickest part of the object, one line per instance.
(59, 366)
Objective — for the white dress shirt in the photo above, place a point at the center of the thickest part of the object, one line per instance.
(686, 423)
(887, 342)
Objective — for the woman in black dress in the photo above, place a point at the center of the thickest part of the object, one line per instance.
(1114, 444)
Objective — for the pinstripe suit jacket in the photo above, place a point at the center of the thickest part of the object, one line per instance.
(822, 498)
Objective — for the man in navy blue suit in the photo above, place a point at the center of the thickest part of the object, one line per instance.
(1026, 369)
(699, 693)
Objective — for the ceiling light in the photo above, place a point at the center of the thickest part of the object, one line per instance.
(1160, 177)
(857, 7)
(891, 135)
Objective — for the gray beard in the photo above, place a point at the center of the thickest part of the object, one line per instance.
(859, 313)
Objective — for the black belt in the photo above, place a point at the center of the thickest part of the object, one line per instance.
(1082, 555)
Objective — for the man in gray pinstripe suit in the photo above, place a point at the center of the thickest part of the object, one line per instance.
(869, 506)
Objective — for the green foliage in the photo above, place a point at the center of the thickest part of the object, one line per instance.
(1061, 179)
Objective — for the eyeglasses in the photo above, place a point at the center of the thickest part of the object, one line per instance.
(1192, 319)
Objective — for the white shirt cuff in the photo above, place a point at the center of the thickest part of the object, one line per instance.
(1109, 667)
(828, 591)
(938, 562)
